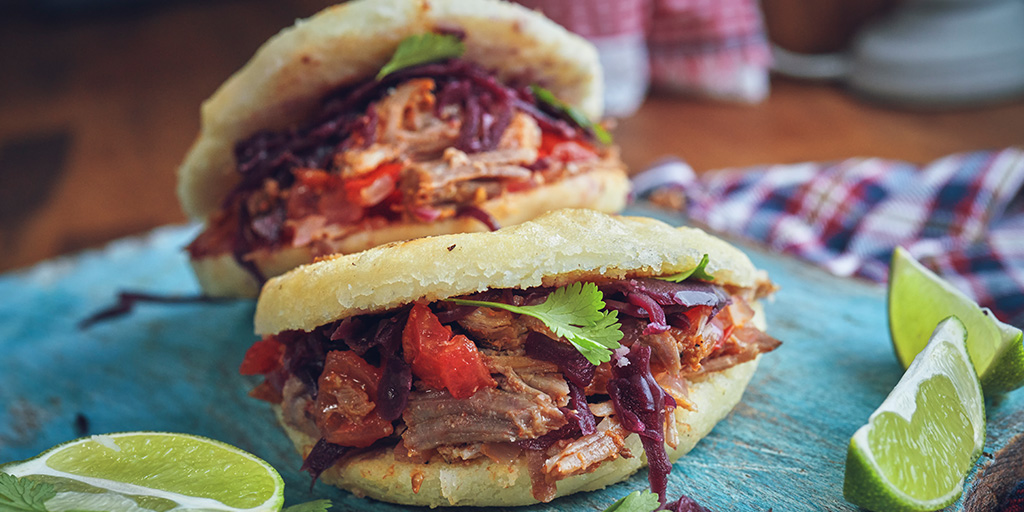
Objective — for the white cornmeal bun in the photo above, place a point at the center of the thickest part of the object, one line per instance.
(291, 72)
(556, 248)
(482, 482)
(600, 189)
(551, 250)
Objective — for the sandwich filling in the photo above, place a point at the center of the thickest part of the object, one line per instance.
(425, 143)
(454, 382)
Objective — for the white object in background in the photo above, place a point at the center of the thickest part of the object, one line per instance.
(626, 71)
(928, 53)
(942, 52)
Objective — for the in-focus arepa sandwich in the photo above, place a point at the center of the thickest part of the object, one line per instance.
(509, 367)
(384, 120)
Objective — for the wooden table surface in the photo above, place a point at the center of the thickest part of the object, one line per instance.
(97, 111)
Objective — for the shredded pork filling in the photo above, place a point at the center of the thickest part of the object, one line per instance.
(532, 406)
(426, 146)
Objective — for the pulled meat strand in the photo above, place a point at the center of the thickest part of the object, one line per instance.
(584, 453)
(347, 120)
(580, 421)
(743, 345)
(540, 404)
(435, 418)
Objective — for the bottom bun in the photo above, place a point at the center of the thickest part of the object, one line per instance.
(604, 189)
(483, 482)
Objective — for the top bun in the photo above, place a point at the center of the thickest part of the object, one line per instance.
(295, 69)
(552, 250)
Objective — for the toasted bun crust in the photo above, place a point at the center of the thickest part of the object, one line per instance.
(604, 190)
(556, 248)
(482, 482)
(291, 72)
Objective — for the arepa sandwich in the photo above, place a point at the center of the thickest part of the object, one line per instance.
(510, 367)
(384, 120)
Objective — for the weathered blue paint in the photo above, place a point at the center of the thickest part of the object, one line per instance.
(174, 368)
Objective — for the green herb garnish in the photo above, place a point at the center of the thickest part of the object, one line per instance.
(697, 272)
(577, 117)
(575, 312)
(23, 494)
(420, 49)
(636, 501)
(312, 506)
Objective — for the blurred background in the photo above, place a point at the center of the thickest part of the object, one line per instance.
(99, 99)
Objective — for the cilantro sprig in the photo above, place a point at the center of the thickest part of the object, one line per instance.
(577, 117)
(22, 494)
(420, 49)
(697, 272)
(575, 312)
(311, 506)
(636, 501)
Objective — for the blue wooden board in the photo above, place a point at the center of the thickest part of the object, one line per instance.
(174, 368)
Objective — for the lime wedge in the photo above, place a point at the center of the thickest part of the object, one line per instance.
(142, 471)
(919, 445)
(919, 299)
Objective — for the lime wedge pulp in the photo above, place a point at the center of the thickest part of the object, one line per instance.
(140, 471)
(919, 299)
(919, 445)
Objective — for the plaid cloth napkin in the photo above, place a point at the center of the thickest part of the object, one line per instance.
(714, 48)
(958, 215)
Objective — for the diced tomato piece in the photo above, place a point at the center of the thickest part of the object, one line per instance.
(563, 149)
(345, 409)
(572, 151)
(697, 315)
(263, 357)
(374, 187)
(267, 392)
(440, 360)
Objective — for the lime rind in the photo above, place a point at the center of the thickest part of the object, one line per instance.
(1007, 371)
(918, 299)
(873, 483)
(40, 468)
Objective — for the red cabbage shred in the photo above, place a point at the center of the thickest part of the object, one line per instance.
(487, 107)
(641, 406)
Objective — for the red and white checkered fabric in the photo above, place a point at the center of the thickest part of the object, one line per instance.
(714, 48)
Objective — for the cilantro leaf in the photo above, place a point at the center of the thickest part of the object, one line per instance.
(420, 49)
(311, 506)
(636, 501)
(697, 272)
(575, 312)
(23, 494)
(577, 117)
